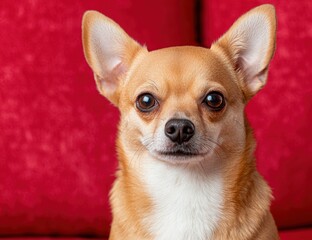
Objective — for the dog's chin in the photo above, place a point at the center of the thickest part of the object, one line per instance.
(178, 157)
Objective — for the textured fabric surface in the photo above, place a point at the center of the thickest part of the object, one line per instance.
(301, 234)
(281, 113)
(57, 154)
(51, 238)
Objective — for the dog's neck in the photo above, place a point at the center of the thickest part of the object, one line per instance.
(187, 201)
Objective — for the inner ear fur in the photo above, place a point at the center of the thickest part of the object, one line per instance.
(249, 45)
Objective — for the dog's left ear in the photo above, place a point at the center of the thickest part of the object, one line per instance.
(250, 45)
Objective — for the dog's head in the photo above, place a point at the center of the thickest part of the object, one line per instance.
(181, 104)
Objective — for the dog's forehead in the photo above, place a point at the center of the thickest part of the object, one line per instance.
(179, 55)
(182, 62)
(180, 66)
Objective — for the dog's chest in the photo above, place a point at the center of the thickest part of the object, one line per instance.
(186, 206)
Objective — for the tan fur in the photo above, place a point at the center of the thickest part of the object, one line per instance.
(130, 203)
(179, 78)
(248, 197)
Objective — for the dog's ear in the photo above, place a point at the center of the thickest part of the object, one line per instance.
(250, 45)
(109, 51)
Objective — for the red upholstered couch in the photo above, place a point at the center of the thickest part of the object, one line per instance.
(57, 156)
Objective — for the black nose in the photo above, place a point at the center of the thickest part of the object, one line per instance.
(179, 130)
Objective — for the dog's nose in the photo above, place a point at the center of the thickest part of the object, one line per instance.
(179, 130)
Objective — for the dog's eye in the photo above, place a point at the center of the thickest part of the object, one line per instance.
(146, 102)
(215, 101)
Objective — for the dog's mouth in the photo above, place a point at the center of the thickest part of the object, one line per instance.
(180, 155)
(177, 153)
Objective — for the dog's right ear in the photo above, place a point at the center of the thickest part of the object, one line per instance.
(250, 44)
(109, 51)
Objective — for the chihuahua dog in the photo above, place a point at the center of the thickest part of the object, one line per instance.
(185, 149)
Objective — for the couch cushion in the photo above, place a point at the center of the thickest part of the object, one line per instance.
(281, 113)
(57, 134)
(301, 234)
(50, 238)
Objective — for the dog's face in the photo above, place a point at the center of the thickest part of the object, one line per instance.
(181, 104)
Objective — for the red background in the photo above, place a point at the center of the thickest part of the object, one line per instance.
(57, 157)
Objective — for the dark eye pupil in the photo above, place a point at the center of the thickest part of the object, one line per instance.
(146, 102)
(215, 101)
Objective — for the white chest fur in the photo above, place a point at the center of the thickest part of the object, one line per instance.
(187, 202)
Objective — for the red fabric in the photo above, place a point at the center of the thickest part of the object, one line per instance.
(57, 134)
(50, 238)
(281, 113)
(301, 234)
